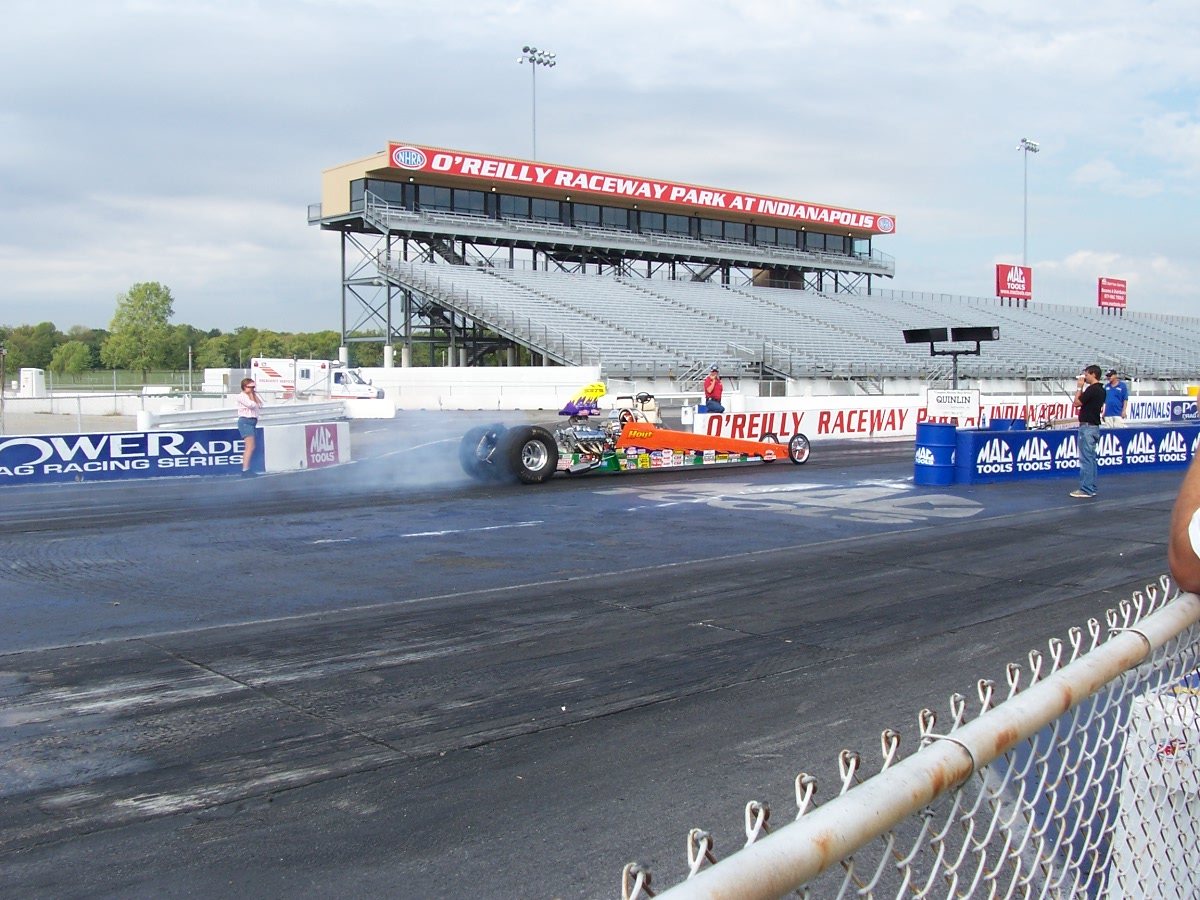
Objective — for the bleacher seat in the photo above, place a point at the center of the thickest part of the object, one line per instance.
(647, 326)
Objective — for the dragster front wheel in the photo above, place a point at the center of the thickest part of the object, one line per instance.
(799, 449)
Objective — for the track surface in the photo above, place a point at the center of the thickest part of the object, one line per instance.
(386, 682)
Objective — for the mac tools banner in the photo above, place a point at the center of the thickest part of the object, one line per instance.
(1014, 282)
(986, 456)
(46, 459)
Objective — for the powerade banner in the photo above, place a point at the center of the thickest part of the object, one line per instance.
(986, 456)
(492, 169)
(46, 459)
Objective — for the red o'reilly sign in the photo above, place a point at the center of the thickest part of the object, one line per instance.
(1014, 281)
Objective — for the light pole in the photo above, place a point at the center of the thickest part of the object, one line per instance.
(3, 376)
(535, 58)
(1029, 147)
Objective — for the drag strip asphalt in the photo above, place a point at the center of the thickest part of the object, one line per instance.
(385, 681)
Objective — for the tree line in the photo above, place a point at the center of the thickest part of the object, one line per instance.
(140, 337)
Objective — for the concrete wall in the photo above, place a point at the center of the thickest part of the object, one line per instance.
(547, 388)
(511, 388)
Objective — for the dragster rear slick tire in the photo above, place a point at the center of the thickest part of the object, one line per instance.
(531, 453)
(479, 453)
(799, 449)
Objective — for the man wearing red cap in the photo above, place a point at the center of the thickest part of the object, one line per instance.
(712, 391)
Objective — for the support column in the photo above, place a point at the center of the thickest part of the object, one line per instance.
(343, 235)
(388, 356)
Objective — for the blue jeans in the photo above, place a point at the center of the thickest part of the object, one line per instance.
(714, 406)
(1089, 437)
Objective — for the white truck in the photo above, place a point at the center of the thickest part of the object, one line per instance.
(310, 378)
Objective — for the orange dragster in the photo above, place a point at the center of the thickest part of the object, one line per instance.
(629, 438)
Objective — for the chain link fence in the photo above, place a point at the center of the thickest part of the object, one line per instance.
(1076, 779)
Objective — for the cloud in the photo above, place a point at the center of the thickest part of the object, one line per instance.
(1102, 174)
(1175, 138)
(1156, 282)
(220, 256)
(146, 139)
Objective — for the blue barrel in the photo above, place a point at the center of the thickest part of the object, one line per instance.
(933, 460)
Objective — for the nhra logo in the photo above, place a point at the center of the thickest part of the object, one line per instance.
(408, 158)
(1108, 451)
(924, 457)
(1067, 454)
(886, 225)
(1140, 450)
(1173, 448)
(1034, 456)
(994, 458)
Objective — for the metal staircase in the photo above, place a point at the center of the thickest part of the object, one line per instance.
(550, 342)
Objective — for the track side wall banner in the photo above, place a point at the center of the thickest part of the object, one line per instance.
(831, 417)
(59, 458)
(989, 456)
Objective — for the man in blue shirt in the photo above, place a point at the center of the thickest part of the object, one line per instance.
(1116, 400)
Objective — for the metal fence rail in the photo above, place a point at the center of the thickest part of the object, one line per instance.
(1081, 784)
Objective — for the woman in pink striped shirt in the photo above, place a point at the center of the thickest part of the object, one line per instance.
(249, 406)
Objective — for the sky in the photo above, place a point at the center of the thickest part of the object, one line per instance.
(181, 142)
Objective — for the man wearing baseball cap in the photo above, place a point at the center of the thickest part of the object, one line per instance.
(713, 390)
(1116, 400)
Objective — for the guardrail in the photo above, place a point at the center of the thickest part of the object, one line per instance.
(1081, 784)
(290, 414)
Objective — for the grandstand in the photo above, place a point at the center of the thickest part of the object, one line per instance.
(487, 258)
